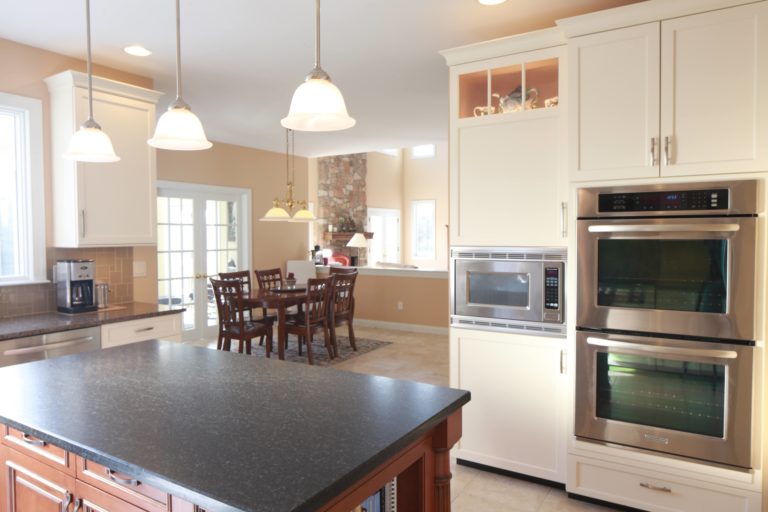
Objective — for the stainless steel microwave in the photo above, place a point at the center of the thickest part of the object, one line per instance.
(509, 289)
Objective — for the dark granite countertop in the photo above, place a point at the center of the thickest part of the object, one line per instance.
(226, 431)
(32, 325)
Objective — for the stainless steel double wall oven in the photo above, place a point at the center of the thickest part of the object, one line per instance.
(666, 318)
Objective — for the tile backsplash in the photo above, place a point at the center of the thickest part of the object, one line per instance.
(114, 266)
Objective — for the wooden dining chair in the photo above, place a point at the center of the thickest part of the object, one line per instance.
(232, 321)
(314, 316)
(341, 310)
(244, 276)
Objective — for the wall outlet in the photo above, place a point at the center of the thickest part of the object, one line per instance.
(139, 269)
(399, 305)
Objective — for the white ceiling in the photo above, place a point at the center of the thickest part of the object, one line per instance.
(242, 59)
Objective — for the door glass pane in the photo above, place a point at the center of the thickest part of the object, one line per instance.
(679, 275)
(499, 289)
(175, 256)
(222, 244)
(665, 393)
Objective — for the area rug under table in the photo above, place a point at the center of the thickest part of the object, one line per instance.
(319, 353)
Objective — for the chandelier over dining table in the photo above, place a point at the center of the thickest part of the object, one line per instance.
(282, 209)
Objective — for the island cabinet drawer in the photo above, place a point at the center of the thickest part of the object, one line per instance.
(122, 333)
(29, 485)
(121, 485)
(92, 499)
(653, 491)
(39, 450)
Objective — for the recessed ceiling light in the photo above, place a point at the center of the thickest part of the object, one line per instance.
(137, 50)
(491, 2)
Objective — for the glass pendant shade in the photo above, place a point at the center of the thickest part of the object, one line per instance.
(91, 144)
(303, 215)
(179, 129)
(317, 106)
(276, 213)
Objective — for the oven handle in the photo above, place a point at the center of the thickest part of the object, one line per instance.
(656, 349)
(664, 228)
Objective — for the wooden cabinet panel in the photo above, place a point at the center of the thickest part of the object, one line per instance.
(94, 500)
(507, 187)
(614, 114)
(39, 450)
(516, 419)
(29, 485)
(714, 69)
(123, 486)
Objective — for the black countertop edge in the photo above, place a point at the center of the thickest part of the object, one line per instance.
(196, 497)
(46, 323)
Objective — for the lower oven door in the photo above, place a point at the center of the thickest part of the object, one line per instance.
(689, 398)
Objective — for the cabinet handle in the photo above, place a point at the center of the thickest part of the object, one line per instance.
(82, 223)
(122, 481)
(562, 362)
(564, 219)
(667, 143)
(66, 502)
(144, 329)
(654, 157)
(655, 487)
(78, 505)
(34, 442)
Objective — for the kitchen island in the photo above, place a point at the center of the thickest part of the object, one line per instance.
(223, 431)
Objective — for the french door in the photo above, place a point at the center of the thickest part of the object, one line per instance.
(201, 231)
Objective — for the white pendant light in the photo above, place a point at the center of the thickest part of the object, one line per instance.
(90, 143)
(178, 128)
(317, 104)
(276, 213)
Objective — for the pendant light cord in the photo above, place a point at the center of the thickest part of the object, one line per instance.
(287, 157)
(317, 34)
(178, 53)
(88, 62)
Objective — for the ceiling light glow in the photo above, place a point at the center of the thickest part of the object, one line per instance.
(491, 2)
(137, 51)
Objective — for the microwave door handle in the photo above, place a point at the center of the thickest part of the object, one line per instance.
(663, 228)
(656, 349)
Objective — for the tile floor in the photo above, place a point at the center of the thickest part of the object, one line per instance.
(424, 357)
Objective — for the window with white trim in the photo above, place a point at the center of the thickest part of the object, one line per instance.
(423, 151)
(423, 229)
(22, 208)
(384, 247)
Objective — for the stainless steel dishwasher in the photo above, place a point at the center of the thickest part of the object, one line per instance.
(47, 346)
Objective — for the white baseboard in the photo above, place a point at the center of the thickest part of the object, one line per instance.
(431, 329)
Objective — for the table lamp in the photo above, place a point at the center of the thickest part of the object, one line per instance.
(358, 240)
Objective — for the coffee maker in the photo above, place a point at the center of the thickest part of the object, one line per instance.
(74, 286)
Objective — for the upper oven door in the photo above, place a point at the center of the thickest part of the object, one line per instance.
(509, 290)
(687, 276)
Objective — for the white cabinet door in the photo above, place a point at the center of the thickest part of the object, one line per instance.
(516, 418)
(107, 204)
(507, 189)
(714, 89)
(614, 116)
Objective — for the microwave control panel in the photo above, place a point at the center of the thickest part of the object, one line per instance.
(551, 288)
(714, 199)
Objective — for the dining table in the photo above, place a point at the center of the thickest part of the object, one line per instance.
(280, 300)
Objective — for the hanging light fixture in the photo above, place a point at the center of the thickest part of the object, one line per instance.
(90, 143)
(178, 128)
(317, 104)
(281, 209)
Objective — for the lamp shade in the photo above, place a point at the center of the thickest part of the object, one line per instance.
(276, 213)
(303, 215)
(317, 106)
(357, 240)
(91, 144)
(179, 129)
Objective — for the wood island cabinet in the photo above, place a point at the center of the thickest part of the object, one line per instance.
(677, 97)
(103, 204)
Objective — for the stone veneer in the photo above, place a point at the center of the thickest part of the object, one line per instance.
(114, 266)
(341, 195)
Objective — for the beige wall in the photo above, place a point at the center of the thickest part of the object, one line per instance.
(384, 181)
(427, 178)
(425, 300)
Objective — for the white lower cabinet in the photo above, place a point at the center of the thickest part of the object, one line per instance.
(166, 327)
(516, 418)
(654, 491)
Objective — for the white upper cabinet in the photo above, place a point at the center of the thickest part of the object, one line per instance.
(103, 204)
(684, 96)
(507, 179)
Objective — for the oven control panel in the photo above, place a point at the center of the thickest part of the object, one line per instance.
(713, 199)
(552, 288)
